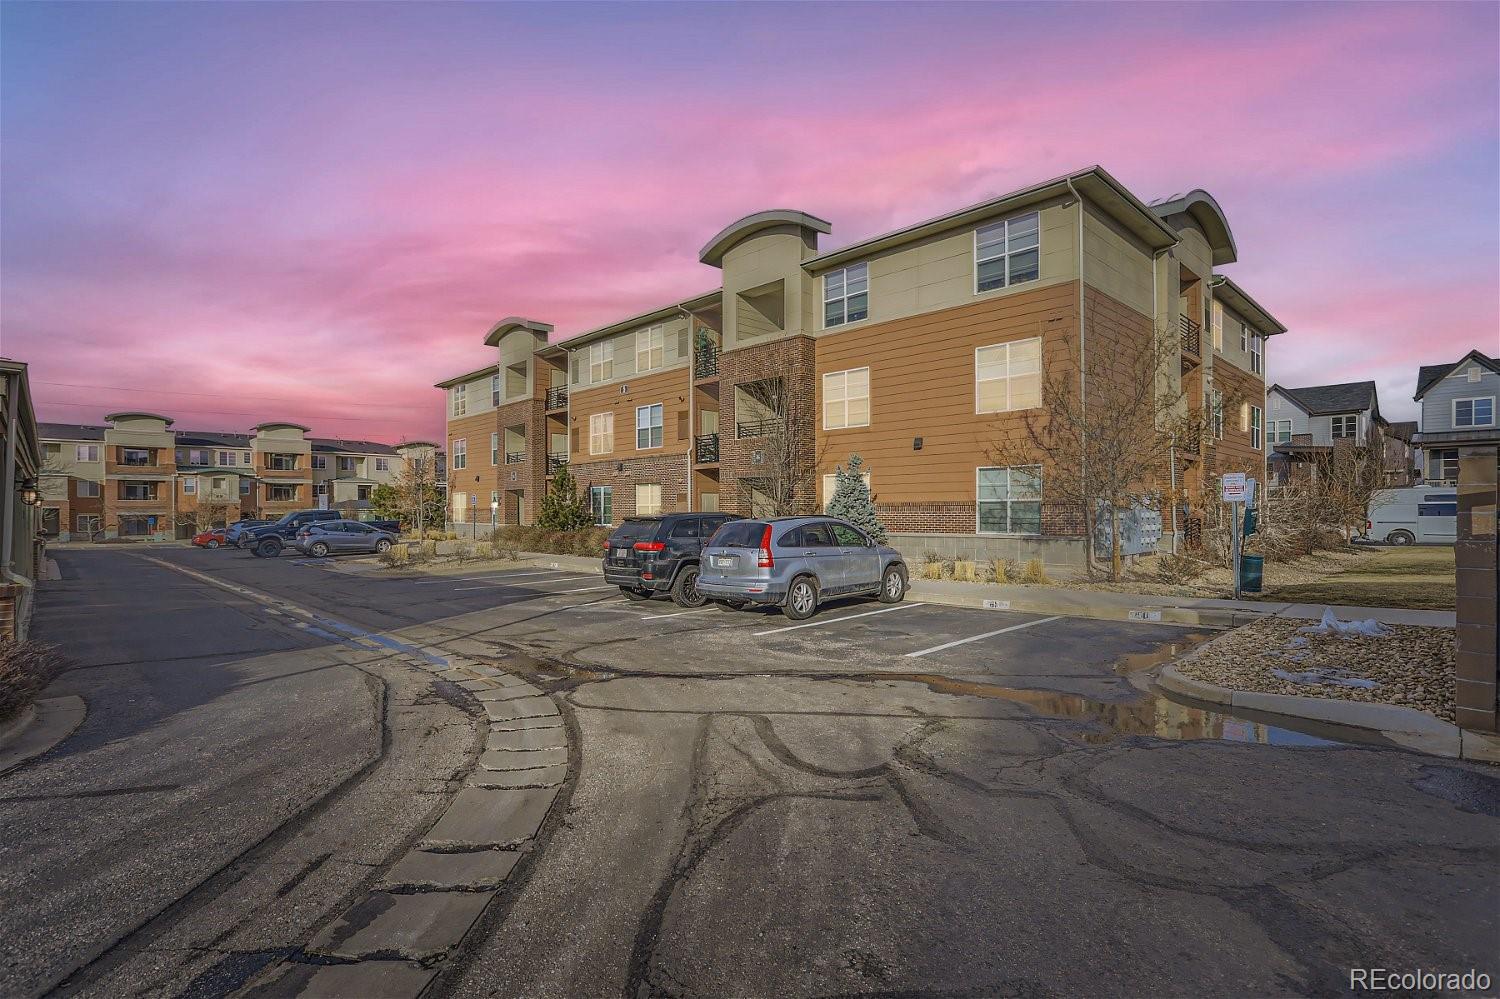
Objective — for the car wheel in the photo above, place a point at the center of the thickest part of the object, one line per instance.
(893, 585)
(1400, 538)
(801, 599)
(685, 589)
(729, 605)
(212, 543)
(383, 545)
(631, 593)
(319, 550)
(269, 548)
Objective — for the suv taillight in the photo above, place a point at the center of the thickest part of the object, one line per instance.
(650, 546)
(606, 547)
(764, 559)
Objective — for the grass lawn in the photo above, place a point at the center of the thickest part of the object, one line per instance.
(1419, 577)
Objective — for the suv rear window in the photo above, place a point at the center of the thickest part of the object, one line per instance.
(635, 530)
(740, 534)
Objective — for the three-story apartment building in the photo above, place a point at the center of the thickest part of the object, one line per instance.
(136, 477)
(917, 349)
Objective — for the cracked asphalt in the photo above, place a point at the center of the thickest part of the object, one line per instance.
(883, 804)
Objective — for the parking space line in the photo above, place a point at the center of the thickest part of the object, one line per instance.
(701, 610)
(585, 589)
(491, 575)
(491, 583)
(835, 620)
(987, 634)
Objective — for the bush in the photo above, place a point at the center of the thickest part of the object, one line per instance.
(464, 552)
(433, 534)
(587, 541)
(398, 556)
(450, 536)
(932, 570)
(1001, 570)
(484, 550)
(1034, 572)
(25, 670)
(1178, 569)
(963, 570)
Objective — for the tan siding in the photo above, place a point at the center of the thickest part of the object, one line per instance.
(670, 388)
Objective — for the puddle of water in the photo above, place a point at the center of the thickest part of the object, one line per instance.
(1135, 662)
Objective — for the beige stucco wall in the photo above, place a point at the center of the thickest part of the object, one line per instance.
(773, 255)
(476, 396)
(66, 460)
(676, 351)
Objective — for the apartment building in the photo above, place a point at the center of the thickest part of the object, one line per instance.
(917, 349)
(137, 477)
(1306, 424)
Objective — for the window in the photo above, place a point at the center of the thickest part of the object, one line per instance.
(648, 427)
(1244, 339)
(1257, 354)
(601, 433)
(495, 390)
(323, 488)
(831, 482)
(199, 457)
(53, 450)
(225, 458)
(847, 537)
(846, 399)
(217, 485)
(189, 487)
(650, 349)
(86, 452)
(1437, 509)
(846, 295)
(281, 493)
(687, 527)
(1281, 431)
(648, 498)
(87, 489)
(1008, 376)
(1216, 413)
(494, 449)
(138, 490)
(460, 503)
(601, 362)
(1344, 427)
(245, 487)
(282, 462)
(382, 464)
(88, 523)
(1257, 425)
(461, 453)
(246, 458)
(1010, 500)
(458, 400)
(1007, 253)
(1442, 465)
(135, 456)
(362, 492)
(320, 461)
(1216, 324)
(346, 463)
(1474, 412)
(602, 502)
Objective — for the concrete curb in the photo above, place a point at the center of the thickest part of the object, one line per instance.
(1407, 727)
(40, 727)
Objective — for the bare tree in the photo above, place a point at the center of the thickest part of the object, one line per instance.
(207, 514)
(1110, 444)
(417, 498)
(783, 457)
(1344, 482)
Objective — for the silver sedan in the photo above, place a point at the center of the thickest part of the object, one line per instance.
(331, 537)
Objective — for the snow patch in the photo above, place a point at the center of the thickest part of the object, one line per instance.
(1331, 625)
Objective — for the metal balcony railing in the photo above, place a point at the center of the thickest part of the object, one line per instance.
(706, 449)
(1192, 336)
(757, 428)
(706, 363)
(557, 397)
(556, 463)
(515, 457)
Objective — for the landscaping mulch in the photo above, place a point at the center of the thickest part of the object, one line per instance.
(1412, 666)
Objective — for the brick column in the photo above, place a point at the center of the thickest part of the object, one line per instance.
(1475, 552)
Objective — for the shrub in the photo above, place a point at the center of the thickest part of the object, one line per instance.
(433, 534)
(1178, 569)
(484, 550)
(932, 570)
(464, 551)
(963, 570)
(1034, 572)
(425, 552)
(947, 568)
(25, 669)
(450, 536)
(398, 556)
(1001, 570)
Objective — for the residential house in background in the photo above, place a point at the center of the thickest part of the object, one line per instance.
(1306, 424)
(917, 349)
(1458, 407)
(137, 477)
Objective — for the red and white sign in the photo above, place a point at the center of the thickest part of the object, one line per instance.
(1232, 487)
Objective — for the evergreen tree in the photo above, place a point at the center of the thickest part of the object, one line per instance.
(852, 500)
(564, 508)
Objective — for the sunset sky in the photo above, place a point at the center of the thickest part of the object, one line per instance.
(228, 213)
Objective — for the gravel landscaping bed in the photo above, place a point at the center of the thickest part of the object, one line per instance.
(1410, 666)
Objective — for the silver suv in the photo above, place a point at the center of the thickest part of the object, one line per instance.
(796, 562)
(331, 536)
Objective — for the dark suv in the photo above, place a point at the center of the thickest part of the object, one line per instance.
(268, 541)
(649, 555)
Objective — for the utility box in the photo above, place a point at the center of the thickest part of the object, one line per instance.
(1251, 568)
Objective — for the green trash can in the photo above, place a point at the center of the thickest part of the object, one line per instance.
(1251, 567)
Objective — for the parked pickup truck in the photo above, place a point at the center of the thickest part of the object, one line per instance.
(269, 541)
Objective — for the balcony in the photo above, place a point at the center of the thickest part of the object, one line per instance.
(1191, 335)
(706, 449)
(136, 458)
(556, 463)
(706, 361)
(515, 457)
(757, 428)
(557, 397)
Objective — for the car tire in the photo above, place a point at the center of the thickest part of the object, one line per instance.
(801, 599)
(892, 585)
(383, 545)
(211, 543)
(631, 593)
(267, 548)
(318, 549)
(1400, 538)
(685, 589)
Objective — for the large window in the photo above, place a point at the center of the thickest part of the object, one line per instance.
(648, 499)
(1442, 465)
(135, 456)
(189, 487)
(650, 349)
(1010, 500)
(320, 462)
(494, 449)
(87, 452)
(1344, 427)
(648, 427)
(1257, 353)
(458, 400)
(1474, 412)
(1281, 431)
(382, 464)
(346, 463)
(87, 489)
(1008, 252)
(279, 493)
(138, 490)
(461, 453)
(831, 483)
(601, 362)
(846, 295)
(1216, 324)
(1257, 425)
(245, 485)
(88, 523)
(602, 502)
(601, 433)
(1008, 376)
(225, 458)
(282, 462)
(846, 399)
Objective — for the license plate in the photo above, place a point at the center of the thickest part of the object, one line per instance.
(724, 561)
(622, 552)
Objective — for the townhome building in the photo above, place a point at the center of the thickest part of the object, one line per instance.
(135, 476)
(1458, 408)
(1306, 424)
(918, 349)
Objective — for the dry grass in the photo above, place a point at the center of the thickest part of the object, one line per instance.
(25, 669)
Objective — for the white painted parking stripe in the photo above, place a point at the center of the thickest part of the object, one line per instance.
(488, 575)
(987, 634)
(835, 620)
(585, 589)
(491, 583)
(701, 610)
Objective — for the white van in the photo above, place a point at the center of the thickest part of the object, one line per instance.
(1426, 515)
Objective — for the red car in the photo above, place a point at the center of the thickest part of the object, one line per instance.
(209, 539)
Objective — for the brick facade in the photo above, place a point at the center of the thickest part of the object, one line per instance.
(792, 360)
(670, 471)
